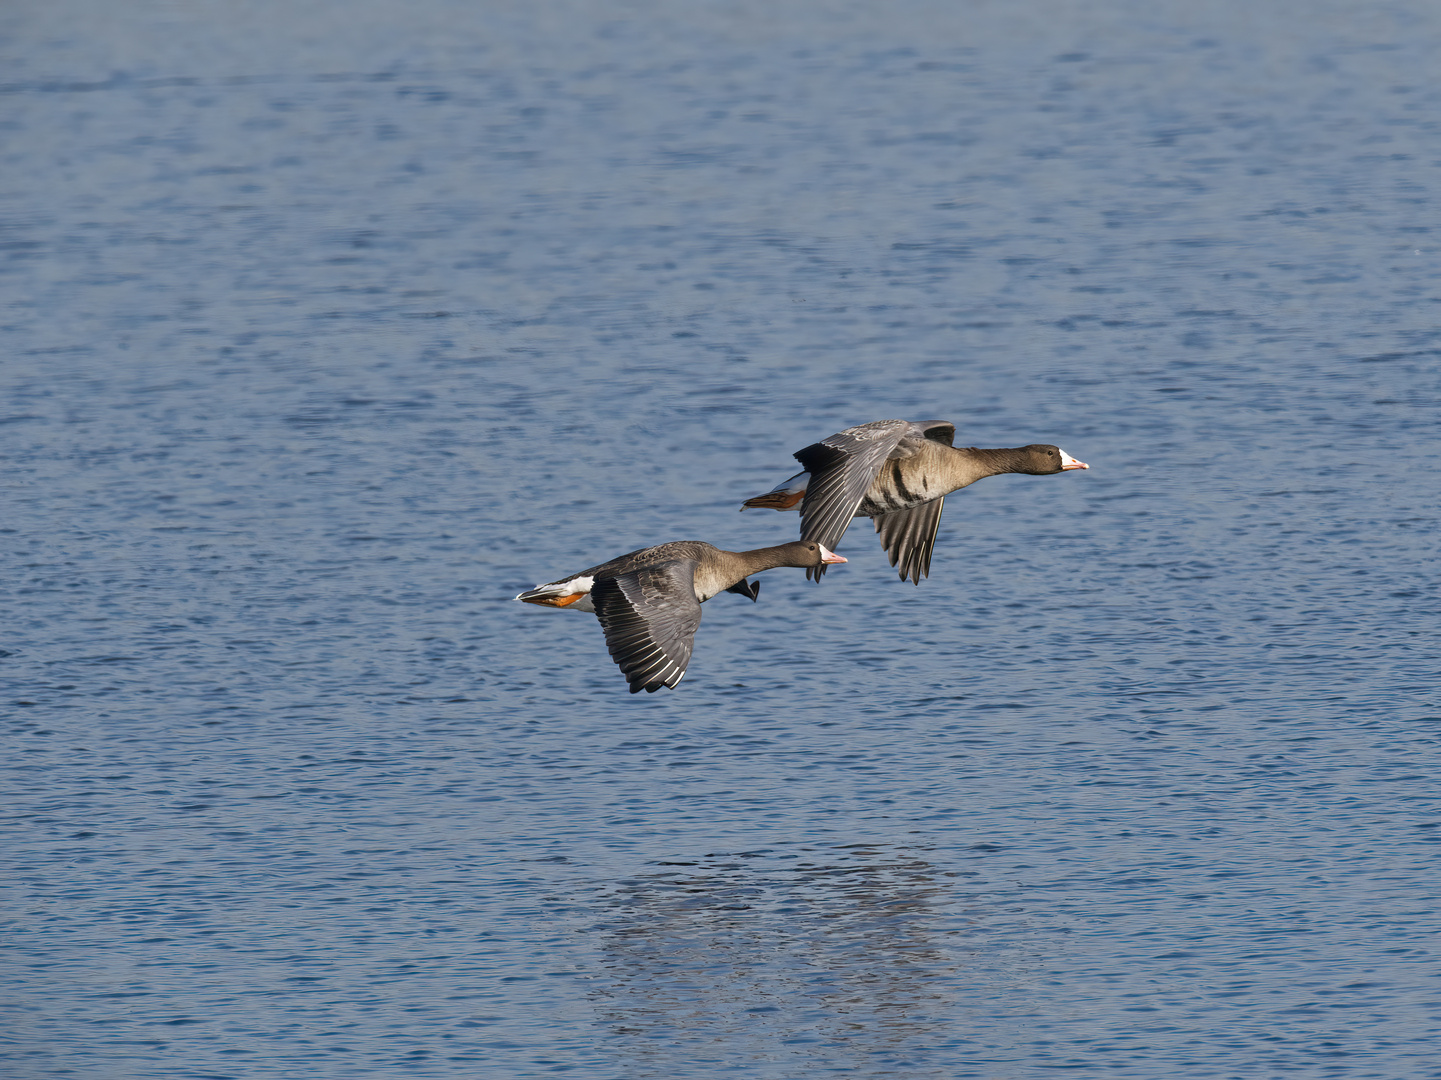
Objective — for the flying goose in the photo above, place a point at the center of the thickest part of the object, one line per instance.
(648, 601)
(897, 473)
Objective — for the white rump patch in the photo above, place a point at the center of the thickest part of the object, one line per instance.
(579, 584)
(798, 482)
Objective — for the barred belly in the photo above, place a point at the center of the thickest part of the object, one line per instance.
(888, 493)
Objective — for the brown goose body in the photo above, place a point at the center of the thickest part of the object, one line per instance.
(897, 473)
(648, 601)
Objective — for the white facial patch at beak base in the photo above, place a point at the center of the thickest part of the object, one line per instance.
(1068, 462)
(829, 556)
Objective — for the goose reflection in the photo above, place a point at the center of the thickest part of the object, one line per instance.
(818, 955)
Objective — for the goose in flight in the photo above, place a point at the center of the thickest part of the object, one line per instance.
(648, 601)
(898, 473)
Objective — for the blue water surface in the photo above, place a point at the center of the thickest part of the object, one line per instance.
(327, 328)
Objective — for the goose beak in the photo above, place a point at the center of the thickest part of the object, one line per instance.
(829, 556)
(1068, 462)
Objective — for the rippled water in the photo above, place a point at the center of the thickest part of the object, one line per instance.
(328, 328)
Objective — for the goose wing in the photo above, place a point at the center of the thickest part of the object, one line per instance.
(747, 588)
(842, 467)
(941, 431)
(649, 616)
(909, 536)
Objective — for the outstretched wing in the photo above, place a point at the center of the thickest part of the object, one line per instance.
(842, 468)
(649, 617)
(909, 536)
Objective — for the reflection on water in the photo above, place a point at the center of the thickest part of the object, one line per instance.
(850, 952)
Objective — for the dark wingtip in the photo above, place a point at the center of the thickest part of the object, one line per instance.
(751, 589)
